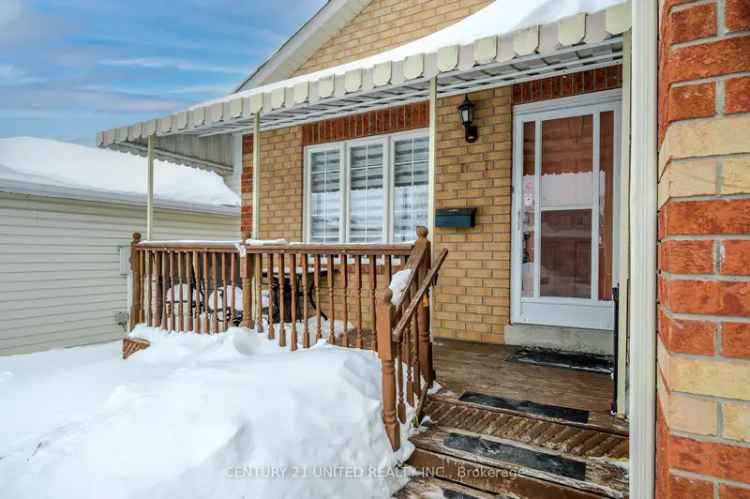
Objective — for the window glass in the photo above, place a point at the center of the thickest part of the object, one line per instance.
(366, 196)
(325, 196)
(410, 187)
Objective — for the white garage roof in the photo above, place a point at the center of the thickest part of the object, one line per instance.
(47, 167)
(506, 42)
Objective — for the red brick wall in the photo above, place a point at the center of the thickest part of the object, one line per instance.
(390, 120)
(593, 80)
(246, 190)
(703, 437)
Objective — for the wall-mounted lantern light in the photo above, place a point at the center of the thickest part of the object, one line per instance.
(466, 112)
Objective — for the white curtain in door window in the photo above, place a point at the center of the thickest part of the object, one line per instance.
(410, 187)
(366, 195)
(325, 196)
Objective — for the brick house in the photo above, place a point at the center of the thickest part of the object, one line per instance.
(606, 181)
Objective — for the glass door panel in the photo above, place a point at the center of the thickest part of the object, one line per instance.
(566, 207)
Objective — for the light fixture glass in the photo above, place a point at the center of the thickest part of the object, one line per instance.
(466, 115)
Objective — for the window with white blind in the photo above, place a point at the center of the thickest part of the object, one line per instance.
(367, 191)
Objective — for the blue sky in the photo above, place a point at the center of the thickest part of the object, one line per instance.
(69, 68)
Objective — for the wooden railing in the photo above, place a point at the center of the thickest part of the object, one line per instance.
(185, 286)
(297, 294)
(404, 339)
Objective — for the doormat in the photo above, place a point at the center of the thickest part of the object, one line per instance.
(519, 456)
(528, 407)
(568, 360)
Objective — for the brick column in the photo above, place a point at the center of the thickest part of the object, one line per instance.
(703, 442)
(246, 220)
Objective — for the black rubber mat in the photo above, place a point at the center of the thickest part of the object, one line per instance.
(567, 360)
(519, 456)
(528, 407)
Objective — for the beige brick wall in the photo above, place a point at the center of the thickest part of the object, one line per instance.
(386, 24)
(280, 184)
(473, 296)
(472, 301)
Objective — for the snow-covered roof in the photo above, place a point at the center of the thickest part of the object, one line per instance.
(43, 166)
(504, 43)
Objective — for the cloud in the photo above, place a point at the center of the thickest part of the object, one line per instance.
(169, 63)
(35, 100)
(13, 76)
(18, 23)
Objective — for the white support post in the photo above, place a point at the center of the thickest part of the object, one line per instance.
(432, 160)
(624, 256)
(643, 249)
(150, 190)
(256, 177)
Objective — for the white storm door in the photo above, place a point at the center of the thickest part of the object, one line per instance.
(564, 212)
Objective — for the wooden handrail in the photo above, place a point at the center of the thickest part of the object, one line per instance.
(427, 282)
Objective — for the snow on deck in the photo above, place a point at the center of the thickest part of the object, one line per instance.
(61, 164)
(229, 415)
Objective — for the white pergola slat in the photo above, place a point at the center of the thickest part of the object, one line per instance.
(574, 43)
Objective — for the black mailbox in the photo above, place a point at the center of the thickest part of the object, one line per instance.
(455, 217)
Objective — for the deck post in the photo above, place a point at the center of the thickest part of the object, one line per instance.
(137, 284)
(384, 326)
(247, 274)
(150, 190)
(423, 314)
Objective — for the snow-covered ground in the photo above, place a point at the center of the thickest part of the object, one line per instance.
(229, 415)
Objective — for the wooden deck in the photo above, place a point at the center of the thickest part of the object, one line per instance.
(499, 428)
(474, 367)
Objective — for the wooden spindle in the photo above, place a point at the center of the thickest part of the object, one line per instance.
(373, 287)
(215, 294)
(400, 358)
(259, 292)
(181, 309)
(384, 329)
(282, 304)
(358, 264)
(331, 298)
(305, 307)
(293, 279)
(150, 293)
(233, 286)
(162, 290)
(191, 291)
(407, 358)
(198, 293)
(172, 311)
(142, 287)
(271, 328)
(206, 293)
(316, 281)
(345, 284)
(223, 294)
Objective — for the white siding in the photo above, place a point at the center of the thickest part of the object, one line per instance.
(60, 281)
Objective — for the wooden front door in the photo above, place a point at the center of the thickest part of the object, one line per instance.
(564, 216)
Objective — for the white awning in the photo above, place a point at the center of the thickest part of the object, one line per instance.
(507, 42)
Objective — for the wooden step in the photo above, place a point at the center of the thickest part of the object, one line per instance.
(502, 452)
(504, 483)
(570, 439)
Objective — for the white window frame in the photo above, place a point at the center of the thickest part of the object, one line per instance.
(344, 148)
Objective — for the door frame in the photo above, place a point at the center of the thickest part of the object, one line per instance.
(595, 314)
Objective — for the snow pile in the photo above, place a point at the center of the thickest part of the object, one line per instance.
(61, 164)
(399, 281)
(227, 415)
